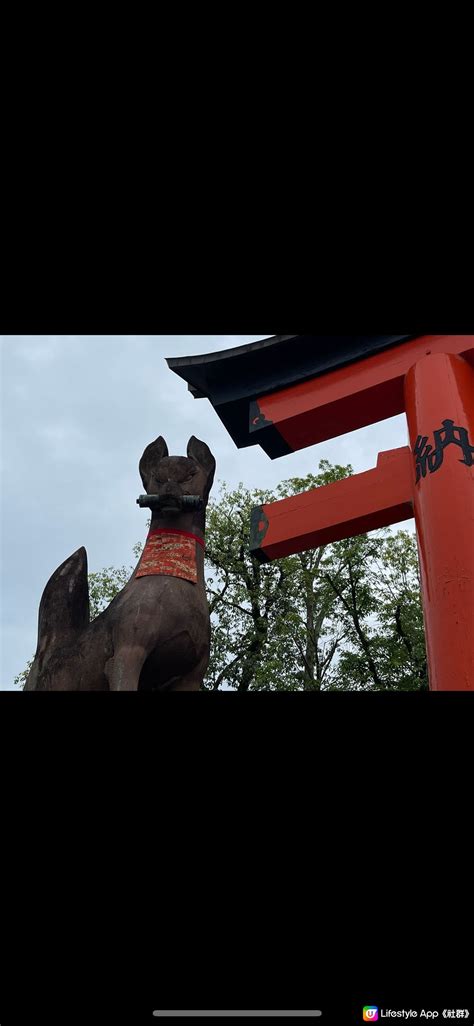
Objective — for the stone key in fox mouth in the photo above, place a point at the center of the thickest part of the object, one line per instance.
(181, 503)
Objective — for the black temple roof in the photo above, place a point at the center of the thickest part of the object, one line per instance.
(233, 378)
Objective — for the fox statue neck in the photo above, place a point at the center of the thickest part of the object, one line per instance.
(192, 523)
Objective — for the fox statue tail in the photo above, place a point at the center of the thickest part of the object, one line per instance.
(63, 614)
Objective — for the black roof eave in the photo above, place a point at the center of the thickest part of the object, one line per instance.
(232, 378)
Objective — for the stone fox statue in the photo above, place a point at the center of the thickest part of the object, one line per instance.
(155, 634)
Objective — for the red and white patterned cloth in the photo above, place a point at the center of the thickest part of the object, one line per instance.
(170, 552)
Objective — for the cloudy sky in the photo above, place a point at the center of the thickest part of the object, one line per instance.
(77, 413)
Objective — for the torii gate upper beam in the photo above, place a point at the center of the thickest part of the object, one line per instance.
(348, 398)
(234, 379)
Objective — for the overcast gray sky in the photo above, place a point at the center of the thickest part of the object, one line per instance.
(77, 413)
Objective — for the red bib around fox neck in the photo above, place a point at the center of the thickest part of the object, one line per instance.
(170, 552)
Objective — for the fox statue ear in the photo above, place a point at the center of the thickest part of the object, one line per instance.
(201, 453)
(154, 452)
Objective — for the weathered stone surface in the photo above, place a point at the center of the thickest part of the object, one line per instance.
(155, 634)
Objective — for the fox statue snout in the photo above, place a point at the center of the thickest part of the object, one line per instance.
(155, 634)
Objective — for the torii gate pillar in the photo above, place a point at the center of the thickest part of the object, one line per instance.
(440, 388)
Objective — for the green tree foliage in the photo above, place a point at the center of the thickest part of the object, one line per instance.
(105, 584)
(343, 617)
(20, 679)
(375, 578)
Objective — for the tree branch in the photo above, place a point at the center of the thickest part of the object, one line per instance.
(225, 671)
(353, 613)
(401, 633)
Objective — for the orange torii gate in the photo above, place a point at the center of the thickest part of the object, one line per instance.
(292, 391)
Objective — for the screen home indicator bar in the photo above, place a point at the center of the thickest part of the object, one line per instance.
(288, 1015)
